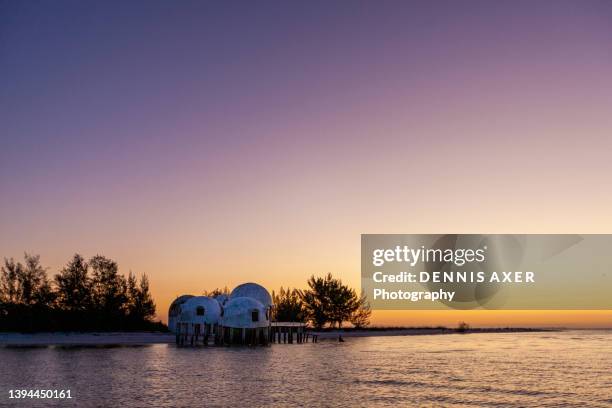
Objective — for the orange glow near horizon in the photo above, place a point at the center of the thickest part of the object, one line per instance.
(580, 319)
(499, 318)
(207, 157)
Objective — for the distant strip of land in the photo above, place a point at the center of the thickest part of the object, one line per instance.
(418, 331)
(145, 338)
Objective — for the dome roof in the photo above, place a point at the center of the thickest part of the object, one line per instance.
(221, 299)
(240, 312)
(252, 290)
(212, 309)
(173, 310)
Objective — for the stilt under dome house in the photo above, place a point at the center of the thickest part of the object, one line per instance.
(242, 318)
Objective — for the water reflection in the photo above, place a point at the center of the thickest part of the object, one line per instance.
(524, 369)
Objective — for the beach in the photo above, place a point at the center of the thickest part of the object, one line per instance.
(84, 339)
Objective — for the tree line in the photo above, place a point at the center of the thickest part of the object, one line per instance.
(326, 302)
(86, 295)
(91, 295)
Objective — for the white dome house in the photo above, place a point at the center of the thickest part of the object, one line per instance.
(245, 321)
(199, 319)
(174, 311)
(245, 313)
(243, 317)
(200, 309)
(254, 291)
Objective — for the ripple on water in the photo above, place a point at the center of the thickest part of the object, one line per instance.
(522, 369)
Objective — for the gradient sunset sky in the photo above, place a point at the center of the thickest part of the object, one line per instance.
(211, 143)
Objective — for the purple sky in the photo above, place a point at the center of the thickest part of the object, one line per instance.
(234, 141)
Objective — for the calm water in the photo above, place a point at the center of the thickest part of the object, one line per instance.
(529, 369)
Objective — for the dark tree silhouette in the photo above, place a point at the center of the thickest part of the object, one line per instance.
(132, 295)
(108, 288)
(73, 286)
(361, 317)
(329, 301)
(141, 306)
(26, 294)
(146, 303)
(35, 287)
(317, 301)
(288, 306)
(9, 284)
(217, 291)
(343, 302)
(80, 300)
(25, 284)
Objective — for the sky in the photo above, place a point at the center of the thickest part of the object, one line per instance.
(211, 143)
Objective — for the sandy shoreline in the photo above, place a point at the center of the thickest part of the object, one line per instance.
(144, 338)
(83, 339)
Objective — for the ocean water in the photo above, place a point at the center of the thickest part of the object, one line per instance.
(553, 369)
